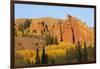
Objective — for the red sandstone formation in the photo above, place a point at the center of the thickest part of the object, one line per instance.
(70, 30)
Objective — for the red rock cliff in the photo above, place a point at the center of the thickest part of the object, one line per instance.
(69, 30)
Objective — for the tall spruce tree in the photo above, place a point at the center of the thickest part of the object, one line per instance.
(52, 60)
(85, 56)
(79, 54)
(44, 58)
(68, 56)
(37, 57)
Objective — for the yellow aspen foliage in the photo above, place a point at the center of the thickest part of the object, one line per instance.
(50, 50)
(19, 33)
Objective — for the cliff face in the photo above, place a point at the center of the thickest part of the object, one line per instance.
(78, 31)
(70, 30)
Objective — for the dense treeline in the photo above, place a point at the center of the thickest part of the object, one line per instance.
(77, 54)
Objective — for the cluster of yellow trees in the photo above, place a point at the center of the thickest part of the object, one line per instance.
(50, 50)
(58, 50)
(62, 49)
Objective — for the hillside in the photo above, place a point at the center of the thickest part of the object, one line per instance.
(70, 30)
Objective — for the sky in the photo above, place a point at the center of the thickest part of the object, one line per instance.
(37, 11)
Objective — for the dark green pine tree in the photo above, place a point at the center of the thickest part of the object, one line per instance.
(44, 57)
(52, 60)
(79, 55)
(85, 56)
(37, 57)
(68, 56)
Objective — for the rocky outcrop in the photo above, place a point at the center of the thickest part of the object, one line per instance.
(70, 30)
